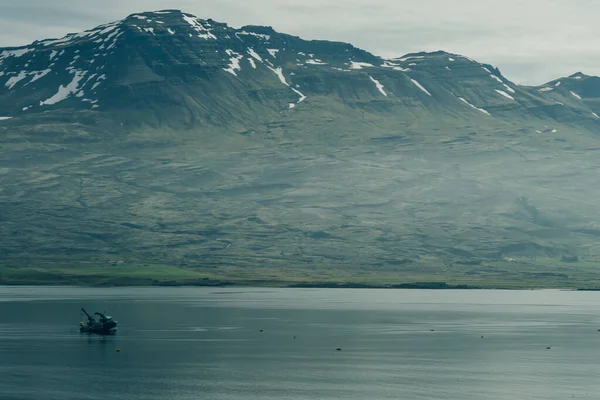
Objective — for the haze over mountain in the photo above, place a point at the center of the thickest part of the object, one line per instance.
(167, 139)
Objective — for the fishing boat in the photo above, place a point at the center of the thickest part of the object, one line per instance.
(98, 323)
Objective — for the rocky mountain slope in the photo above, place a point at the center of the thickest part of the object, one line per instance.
(169, 68)
(167, 139)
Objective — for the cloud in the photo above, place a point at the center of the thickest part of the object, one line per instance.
(531, 41)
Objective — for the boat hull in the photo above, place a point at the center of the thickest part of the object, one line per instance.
(102, 331)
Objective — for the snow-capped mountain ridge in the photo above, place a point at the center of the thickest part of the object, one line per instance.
(180, 56)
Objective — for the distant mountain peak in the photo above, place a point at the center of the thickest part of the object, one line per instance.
(578, 75)
(259, 29)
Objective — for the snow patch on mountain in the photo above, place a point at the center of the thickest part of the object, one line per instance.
(258, 35)
(14, 53)
(39, 75)
(575, 95)
(273, 52)
(557, 84)
(51, 42)
(509, 88)
(394, 66)
(234, 62)
(315, 62)
(252, 62)
(5, 118)
(595, 115)
(502, 82)
(496, 78)
(171, 31)
(65, 92)
(486, 70)
(89, 34)
(378, 85)
(546, 89)
(389, 64)
(203, 32)
(112, 34)
(74, 60)
(360, 65)
(472, 106)
(114, 43)
(254, 54)
(98, 81)
(411, 58)
(92, 76)
(417, 84)
(12, 81)
(299, 93)
(279, 72)
(502, 93)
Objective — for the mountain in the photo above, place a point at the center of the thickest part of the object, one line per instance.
(172, 69)
(248, 154)
(577, 89)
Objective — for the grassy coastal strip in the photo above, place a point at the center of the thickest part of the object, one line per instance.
(165, 275)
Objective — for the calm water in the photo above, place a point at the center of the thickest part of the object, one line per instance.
(200, 343)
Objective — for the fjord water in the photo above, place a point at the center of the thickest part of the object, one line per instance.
(222, 343)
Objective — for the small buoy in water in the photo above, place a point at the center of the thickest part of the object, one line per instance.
(482, 336)
(432, 330)
(261, 330)
(118, 350)
(338, 349)
(548, 348)
(294, 337)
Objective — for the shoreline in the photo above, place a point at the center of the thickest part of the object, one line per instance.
(316, 285)
(170, 276)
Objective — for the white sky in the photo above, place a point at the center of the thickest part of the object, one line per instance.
(531, 41)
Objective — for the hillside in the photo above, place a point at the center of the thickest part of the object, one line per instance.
(173, 143)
